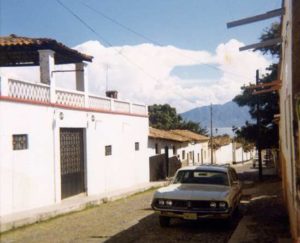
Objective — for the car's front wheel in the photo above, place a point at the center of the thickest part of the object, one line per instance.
(164, 221)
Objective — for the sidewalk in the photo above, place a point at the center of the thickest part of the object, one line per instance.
(69, 205)
(265, 218)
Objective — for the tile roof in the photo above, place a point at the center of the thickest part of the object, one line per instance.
(220, 141)
(191, 135)
(176, 135)
(167, 135)
(16, 50)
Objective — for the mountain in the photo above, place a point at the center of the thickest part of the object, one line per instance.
(224, 116)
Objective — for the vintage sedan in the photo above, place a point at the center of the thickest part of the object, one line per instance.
(206, 191)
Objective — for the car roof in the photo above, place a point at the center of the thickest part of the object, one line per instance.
(221, 168)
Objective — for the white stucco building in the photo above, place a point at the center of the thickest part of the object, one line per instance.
(227, 151)
(191, 148)
(57, 143)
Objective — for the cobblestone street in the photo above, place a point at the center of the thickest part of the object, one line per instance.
(125, 220)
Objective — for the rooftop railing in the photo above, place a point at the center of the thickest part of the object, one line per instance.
(42, 93)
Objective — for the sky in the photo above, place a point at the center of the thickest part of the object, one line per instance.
(160, 51)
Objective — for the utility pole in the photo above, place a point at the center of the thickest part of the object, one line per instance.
(258, 143)
(211, 137)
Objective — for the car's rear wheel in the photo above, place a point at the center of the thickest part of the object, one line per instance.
(164, 221)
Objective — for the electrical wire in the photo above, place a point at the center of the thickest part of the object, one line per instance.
(104, 40)
(150, 39)
(119, 52)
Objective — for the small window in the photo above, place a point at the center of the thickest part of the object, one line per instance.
(137, 146)
(20, 141)
(183, 154)
(174, 150)
(108, 150)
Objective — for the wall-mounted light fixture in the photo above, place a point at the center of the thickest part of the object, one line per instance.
(61, 115)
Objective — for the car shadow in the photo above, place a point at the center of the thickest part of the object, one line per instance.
(149, 230)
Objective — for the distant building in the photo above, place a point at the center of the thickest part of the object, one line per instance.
(227, 151)
(170, 150)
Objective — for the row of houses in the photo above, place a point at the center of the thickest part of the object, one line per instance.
(57, 143)
(192, 148)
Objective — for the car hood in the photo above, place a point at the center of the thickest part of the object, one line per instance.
(193, 192)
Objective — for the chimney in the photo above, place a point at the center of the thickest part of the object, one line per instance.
(112, 94)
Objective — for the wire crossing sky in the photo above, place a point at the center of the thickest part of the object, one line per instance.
(179, 50)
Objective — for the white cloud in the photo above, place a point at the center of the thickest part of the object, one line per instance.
(142, 73)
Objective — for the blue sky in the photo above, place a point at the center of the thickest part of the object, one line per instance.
(192, 27)
(192, 24)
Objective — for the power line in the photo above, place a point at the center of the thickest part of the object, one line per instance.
(120, 24)
(81, 20)
(104, 40)
(118, 52)
(150, 39)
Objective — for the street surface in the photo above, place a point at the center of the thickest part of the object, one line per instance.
(126, 220)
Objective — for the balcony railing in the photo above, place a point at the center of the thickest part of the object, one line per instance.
(28, 91)
(69, 98)
(37, 92)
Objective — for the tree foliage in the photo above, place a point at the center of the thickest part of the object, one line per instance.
(268, 102)
(270, 33)
(165, 117)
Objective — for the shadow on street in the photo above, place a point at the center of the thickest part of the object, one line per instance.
(148, 230)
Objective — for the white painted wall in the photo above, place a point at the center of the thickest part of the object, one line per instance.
(27, 176)
(227, 154)
(162, 143)
(239, 155)
(224, 154)
(31, 178)
(188, 148)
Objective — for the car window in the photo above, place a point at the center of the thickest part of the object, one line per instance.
(202, 177)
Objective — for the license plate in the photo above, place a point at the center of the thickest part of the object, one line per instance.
(190, 216)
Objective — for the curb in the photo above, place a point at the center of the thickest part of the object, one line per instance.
(75, 204)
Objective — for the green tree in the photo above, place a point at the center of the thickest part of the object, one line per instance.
(165, 117)
(270, 33)
(268, 102)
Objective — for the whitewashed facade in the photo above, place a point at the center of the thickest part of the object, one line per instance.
(229, 154)
(33, 118)
(188, 150)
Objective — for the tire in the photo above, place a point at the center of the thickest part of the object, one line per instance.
(228, 222)
(164, 221)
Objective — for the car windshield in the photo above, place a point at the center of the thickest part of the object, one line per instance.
(202, 177)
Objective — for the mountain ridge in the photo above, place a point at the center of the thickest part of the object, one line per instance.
(224, 115)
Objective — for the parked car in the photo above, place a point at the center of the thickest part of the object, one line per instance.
(206, 191)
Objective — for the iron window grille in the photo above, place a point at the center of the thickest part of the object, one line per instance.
(20, 142)
(137, 146)
(108, 150)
